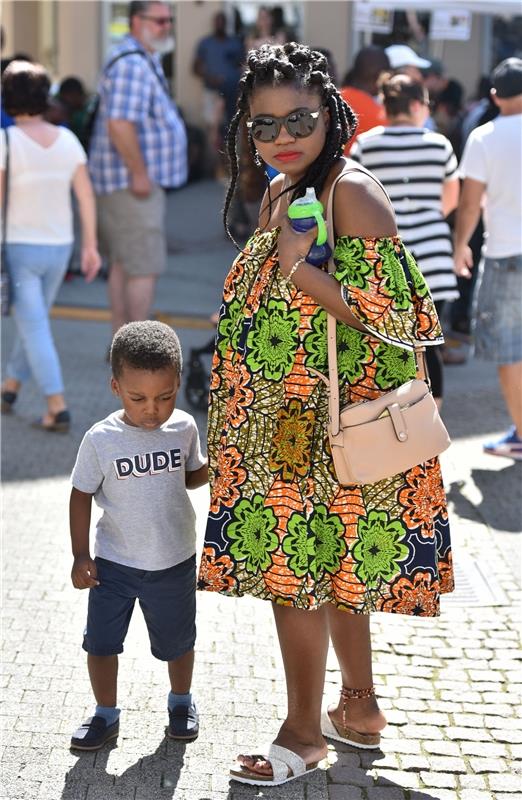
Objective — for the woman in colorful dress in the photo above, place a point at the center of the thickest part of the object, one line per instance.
(280, 527)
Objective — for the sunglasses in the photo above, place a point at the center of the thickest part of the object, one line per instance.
(158, 20)
(299, 124)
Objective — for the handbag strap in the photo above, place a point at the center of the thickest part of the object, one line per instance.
(5, 196)
(331, 321)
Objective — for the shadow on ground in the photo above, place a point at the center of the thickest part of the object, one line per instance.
(500, 507)
(156, 775)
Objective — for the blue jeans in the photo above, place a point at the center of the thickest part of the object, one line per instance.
(36, 272)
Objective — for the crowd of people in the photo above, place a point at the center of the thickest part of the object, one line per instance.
(382, 153)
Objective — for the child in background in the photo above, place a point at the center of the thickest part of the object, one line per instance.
(138, 464)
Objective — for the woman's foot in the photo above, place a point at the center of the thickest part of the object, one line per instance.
(55, 423)
(310, 751)
(8, 401)
(361, 714)
(9, 393)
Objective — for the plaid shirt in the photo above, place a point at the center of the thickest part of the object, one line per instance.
(135, 89)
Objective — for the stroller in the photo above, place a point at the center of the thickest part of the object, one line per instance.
(197, 381)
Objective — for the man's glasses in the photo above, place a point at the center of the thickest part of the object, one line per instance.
(299, 124)
(158, 20)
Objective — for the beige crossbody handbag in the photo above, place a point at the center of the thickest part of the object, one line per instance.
(377, 439)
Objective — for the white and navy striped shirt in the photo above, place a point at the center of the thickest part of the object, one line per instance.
(413, 164)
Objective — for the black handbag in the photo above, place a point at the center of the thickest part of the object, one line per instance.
(5, 278)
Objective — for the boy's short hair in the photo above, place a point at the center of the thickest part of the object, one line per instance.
(147, 345)
(25, 88)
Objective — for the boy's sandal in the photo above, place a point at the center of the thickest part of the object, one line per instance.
(286, 766)
(8, 401)
(343, 733)
(60, 424)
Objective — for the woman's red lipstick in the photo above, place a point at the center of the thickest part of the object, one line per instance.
(288, 155)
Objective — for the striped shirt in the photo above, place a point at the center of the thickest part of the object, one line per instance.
(413, 164)
(134, 88)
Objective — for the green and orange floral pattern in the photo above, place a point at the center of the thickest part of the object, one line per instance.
(280, 526)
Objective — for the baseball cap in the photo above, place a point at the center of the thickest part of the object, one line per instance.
(507, 78)
(400, 55)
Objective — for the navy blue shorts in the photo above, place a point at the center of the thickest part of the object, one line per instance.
(167, 598)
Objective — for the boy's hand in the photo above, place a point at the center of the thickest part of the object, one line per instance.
(84, 573)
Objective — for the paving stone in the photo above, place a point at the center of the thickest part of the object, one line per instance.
(442, 748)
(485, 749)
(401, 778)
(414, 763)
(505, 783)
(487, 765)
(352, 775)
(440, 779)
(336, 792)
(472, 782)
(512, 736)
(385, 793)
(467, 734)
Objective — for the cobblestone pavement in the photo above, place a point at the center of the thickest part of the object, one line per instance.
(450, 686)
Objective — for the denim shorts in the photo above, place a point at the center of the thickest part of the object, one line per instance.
(167, 598)
(497, 312)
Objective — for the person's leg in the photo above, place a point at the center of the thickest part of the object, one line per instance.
(116, 286)
(510, 377)
(109, 613)
(180, 673)
(350, 634)
(103, 674)
(139, 297)
(52, 280)
(37, 275)
(141, 247)
(303, 639)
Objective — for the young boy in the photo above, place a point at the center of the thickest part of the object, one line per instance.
(137, 464)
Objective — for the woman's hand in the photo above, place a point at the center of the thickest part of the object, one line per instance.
(293, 246)
(90, 262)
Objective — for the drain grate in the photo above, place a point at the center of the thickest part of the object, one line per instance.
(473, 585)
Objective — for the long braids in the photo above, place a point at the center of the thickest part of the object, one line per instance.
(297, 65)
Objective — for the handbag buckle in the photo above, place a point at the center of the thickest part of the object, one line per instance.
(398, 422)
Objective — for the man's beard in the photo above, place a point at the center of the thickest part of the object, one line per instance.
(161, 46)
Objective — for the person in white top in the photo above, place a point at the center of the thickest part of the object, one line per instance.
(491, 167)
(44, 162)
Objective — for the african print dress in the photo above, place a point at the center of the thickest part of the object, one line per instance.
(280, 526)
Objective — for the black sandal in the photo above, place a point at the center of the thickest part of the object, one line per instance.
(8, 401)
(60, 424)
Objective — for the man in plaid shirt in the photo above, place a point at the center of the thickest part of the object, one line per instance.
(138, 149)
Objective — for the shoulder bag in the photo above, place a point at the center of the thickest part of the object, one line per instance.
(376, 439)
(5, 278)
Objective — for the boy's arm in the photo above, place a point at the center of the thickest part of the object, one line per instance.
(197, 478)
(83, 573)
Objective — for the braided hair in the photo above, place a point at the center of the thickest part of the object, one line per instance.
(296, 65)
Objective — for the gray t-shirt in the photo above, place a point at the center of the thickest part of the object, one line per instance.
(137, 478)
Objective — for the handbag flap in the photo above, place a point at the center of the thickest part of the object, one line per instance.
(408, 394)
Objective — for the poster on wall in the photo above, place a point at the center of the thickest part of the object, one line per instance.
(450, 24)
(370, 19)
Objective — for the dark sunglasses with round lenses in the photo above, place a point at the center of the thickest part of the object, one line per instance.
(299, 124)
